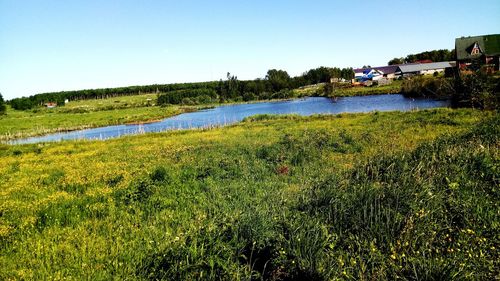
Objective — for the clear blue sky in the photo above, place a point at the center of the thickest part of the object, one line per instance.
(50, 45)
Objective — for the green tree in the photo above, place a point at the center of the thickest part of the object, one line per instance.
(232, 86)
(278, 80)
(2, 105)
(434, 55)
(347, 73)
(396, 61)
(321, 74)
(328, 90)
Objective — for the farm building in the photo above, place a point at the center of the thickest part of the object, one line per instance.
(477, 51)
(389, 72)
(365, 74)
(424, 68)
(394, 71)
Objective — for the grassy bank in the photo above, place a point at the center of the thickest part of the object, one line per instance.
(393, 88)
(348, 91)
(385, 195)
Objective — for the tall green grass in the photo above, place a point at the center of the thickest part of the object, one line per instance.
(267, 200)
(427, 214)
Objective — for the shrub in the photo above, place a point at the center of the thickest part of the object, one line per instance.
(283, 94)
(249, 96)
(187, 101)
(421, 86)
(265, 96)
(203, 99)
(187, 96)
(477, 90)
(328, 89)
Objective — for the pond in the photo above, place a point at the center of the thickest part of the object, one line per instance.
(229, 114)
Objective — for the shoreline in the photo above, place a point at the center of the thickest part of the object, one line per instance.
(13, 138)
(5, 138)
(184, 109)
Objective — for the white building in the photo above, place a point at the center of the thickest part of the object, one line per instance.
(424, 68)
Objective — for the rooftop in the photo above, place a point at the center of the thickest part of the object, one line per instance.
(488, 44)
(416, 67)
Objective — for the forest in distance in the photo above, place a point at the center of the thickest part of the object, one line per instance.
(230, 89)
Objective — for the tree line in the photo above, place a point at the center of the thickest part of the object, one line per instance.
(434, 55)
(59, 97)
(276, 84)
(2, 105)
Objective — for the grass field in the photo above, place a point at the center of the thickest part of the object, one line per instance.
(110, 103)
(385, 195)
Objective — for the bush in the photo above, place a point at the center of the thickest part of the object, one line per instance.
(265, 96)
(204, 99)
(328, 89)
(477, 90)
(22, 104)
(187, 101)
(187, 96)
(283, 94)
(249, 96)
(428, 87)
